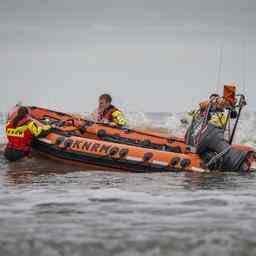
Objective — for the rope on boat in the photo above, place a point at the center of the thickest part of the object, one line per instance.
(218, 156)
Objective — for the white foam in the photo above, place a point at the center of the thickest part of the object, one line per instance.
(246, 129)
(177, 124)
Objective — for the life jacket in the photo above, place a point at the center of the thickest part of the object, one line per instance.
(219, 119)
(112, 114)
(20, 137)
(106, 115)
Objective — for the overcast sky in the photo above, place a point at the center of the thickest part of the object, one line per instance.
(151, 55)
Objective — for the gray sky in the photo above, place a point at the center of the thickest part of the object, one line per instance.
(151, 55)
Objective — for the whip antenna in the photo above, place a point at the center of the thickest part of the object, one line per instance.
(220, 67)
(244, 60)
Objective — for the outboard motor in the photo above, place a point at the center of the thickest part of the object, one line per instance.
(220, 154)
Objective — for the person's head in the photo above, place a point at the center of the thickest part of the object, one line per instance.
(105, 101)
(22, 112)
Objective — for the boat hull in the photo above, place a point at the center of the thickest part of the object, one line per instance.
(102, 146)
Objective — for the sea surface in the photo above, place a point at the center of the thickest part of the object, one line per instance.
(48, 208)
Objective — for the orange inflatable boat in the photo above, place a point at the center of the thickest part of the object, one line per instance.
(102, 146)
(75, 140)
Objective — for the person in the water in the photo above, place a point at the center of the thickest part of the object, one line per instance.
(108, 113)
(20, 131)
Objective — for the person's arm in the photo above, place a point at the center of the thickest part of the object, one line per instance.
(37, 130)
(118, 118)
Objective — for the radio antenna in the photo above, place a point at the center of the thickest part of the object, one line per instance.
(220, 66)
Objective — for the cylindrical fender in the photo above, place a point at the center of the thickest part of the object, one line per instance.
(147, 156)
(185, 163)
(123, 153)
(174, 161)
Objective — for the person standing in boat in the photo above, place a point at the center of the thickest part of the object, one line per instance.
(218, 116)
(20, 131)
(206, 134)
(108, 113)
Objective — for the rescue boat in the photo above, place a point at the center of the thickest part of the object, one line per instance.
(78, 140)
(103, 146)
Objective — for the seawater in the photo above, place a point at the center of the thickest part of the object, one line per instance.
(50, 208)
